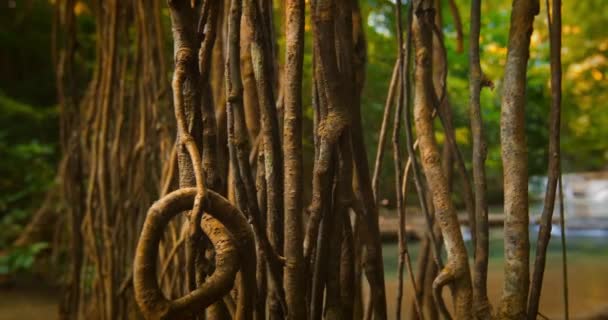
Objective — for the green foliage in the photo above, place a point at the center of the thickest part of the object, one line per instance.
(28, 121)
(25, 54)
(585, 94)
(27, 164)
(20, 259)
(28, 125)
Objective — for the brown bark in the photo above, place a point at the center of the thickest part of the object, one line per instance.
(451, 152)
(456, 271)
(401, 178)
(187, 105)
(347, 25)
(410, 146)
(263, 70)
(332, 25)
(71, 190)
(554, 173)
(515, 162)
(388, 106)
(185, 49)
(245, 192)
(348, 278)
(116, 144)
(480, 271)
(151, 301)
(207, 32)
(230, 251)
(250, 93)
(204, 165)
(373, 264)
(292, 151)
(457, 25)
(333, 227)
(262, 274)
(218, 93)
(341, 180)
(330, 112)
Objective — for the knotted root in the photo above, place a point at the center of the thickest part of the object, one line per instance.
(233, 242)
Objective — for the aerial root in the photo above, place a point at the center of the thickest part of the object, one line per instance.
(445, 276)
(232, 240)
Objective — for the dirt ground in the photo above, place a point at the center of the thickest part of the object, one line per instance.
(29, 299)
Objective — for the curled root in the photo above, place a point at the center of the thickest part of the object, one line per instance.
(232, 239)
(445, 277)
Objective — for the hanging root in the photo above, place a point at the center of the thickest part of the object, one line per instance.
(233, 243)
(456, 271)
(147, 293)
(445, 277)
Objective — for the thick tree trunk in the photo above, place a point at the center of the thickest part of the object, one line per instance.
(515, 162)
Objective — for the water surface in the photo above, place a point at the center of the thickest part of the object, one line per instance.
(587, 272)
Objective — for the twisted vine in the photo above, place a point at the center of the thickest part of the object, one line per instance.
(224, 225)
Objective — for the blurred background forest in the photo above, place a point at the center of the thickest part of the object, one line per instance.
(29, 128)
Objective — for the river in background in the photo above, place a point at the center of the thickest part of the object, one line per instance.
(587, 272)
(586, 215)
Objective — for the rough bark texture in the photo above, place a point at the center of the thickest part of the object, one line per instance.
(273, 158)
(113, 135)
(456, 271)
(223, 260)
(292, 151)
(216, 79)
(410, 146)
(245, 189)
(207, 31)
(515, 162)
(452, 157)
(250, 92)
(231, 250)
(185, 47)
(331, 126)
(151, 300)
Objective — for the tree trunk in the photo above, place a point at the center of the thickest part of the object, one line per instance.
(292, 151)
(456, 271)
(515, 162)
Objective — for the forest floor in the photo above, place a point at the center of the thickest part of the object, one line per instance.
(29, 299)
